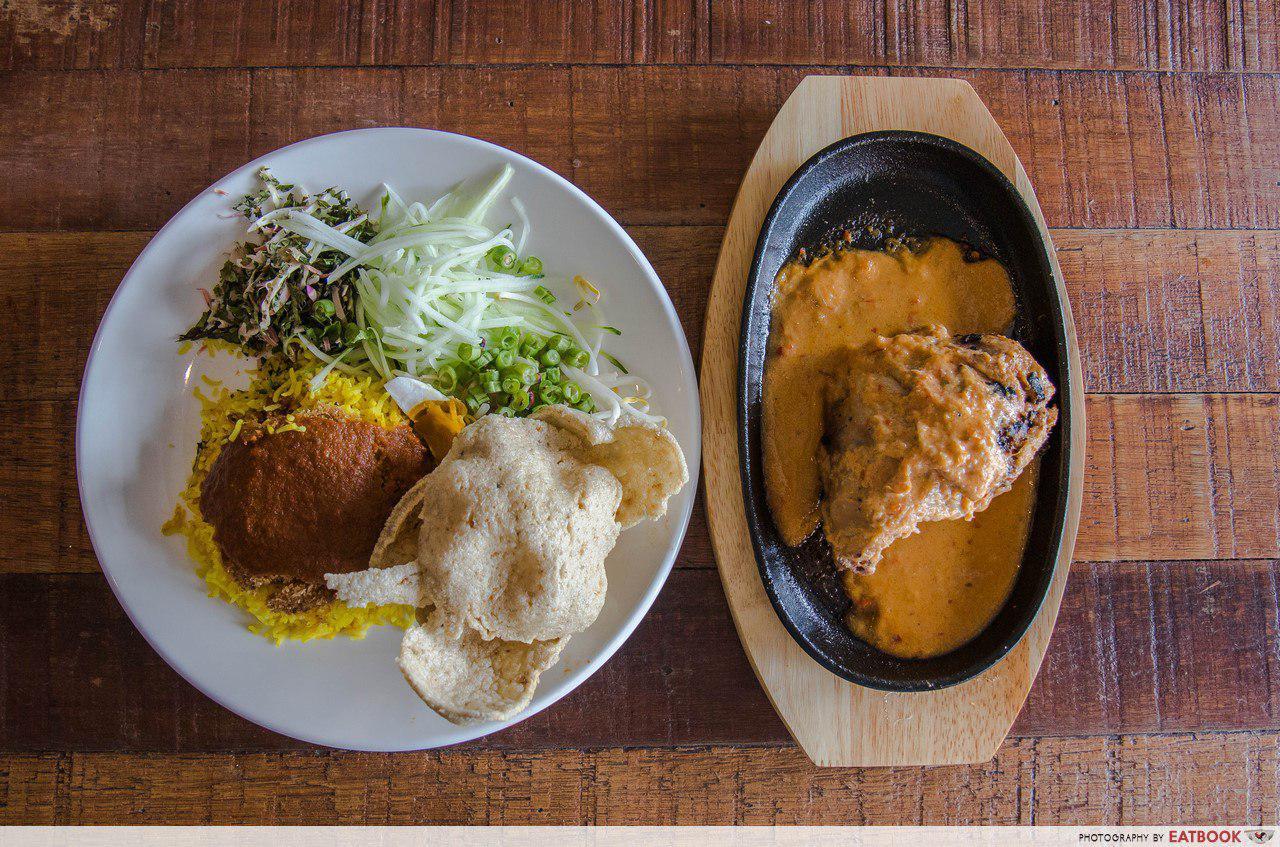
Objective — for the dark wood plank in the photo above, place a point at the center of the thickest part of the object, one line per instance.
(1168, 311)
(244, 33)
(656, 145)
(46, 521)
(182, 33)
(98, 129)
(67, 34)
(656, 691)
(555, 31)
(1205, 163)
(523, 105)
(1254, 24)
(1171, 477)
(63, 283)
(1150, 780)
(249, 33)
(1148, 647)
(1138, 648)
(673, 31)
(1156, 311)
(1103, 34)
(1214, 35)
(391, 33)
(1181, 477)
(986, 33)
(836, 33)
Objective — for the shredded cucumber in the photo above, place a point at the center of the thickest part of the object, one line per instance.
(426, 283)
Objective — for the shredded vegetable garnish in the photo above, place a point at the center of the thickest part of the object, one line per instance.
(278, 285)
(427, 292)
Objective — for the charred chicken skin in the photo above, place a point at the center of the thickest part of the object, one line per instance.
(925, 426)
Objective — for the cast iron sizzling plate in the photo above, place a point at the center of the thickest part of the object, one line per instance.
(923, 185)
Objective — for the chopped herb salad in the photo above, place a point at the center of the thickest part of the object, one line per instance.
(427, 296)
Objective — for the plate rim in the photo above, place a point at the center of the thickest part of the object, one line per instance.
(679, 522)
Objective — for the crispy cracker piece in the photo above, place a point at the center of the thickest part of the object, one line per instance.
(645, 459)
(378, 586)
(393, 573)
(515, 532)
(398, 542)
(511, 530)
(470, 680)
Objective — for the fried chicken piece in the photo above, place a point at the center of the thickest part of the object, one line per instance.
(925, 427)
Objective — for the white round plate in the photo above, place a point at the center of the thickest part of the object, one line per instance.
(138, 424)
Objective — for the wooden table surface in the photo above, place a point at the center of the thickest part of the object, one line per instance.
(1152, 134)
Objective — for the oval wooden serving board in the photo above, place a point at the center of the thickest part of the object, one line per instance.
(834, 721)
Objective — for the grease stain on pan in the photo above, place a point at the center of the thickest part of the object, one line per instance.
(902, 185)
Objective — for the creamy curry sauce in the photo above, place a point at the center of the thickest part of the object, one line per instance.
(938, 589)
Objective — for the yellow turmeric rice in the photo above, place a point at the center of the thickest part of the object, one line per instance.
(277, 386)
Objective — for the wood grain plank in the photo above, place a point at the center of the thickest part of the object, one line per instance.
(1214, 35)
(63, 282)
(46, 520)
(1116, 34)
(1168, 477)
(1189, 476)
(101, 141)
(657, 691)
(1156, 311)
(346, 32)
(1200, 129)
(1152, 780)
(1139, 648)
(1161, 311)
(555, 31)
(349, 32)
(257, 33)
(69, 34)
(656, 145)
(835, 33)
(988, 33)
(1252, 31)
(1160, 647)
(244, 33)
(672, 31)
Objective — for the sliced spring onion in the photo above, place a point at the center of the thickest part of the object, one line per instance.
(616, 363)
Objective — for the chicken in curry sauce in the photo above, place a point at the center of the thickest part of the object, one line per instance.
(894, 434)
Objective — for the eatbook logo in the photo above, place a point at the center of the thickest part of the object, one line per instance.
(1260, 836)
